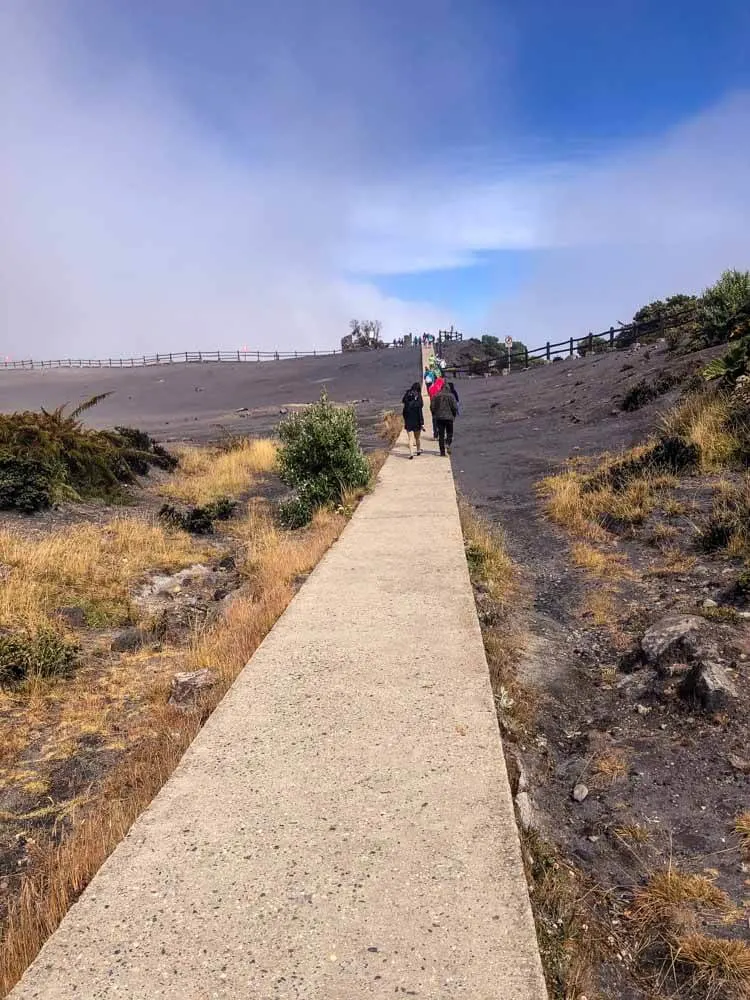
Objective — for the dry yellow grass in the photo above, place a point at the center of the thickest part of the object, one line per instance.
(703, 420)
(94, 566)
(599, 606)
(718, 969)
(584, 507)
(489, 563)
(205, 474)
(673, 903)
(156, 735)
(600, 563)
(390, 427)
(742, 829)
(611, 766)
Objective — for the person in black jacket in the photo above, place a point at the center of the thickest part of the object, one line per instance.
(444, 411)
(413, 418)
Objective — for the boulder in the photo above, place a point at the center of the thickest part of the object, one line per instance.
(524, 811)
(580, 792)
(672, 640)
(710, 684)
(516, 773)
(73, 616)
(130, 639)
(188, 685)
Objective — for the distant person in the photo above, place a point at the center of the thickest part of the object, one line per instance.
(444, 411)
(452, 388)
(413, 414)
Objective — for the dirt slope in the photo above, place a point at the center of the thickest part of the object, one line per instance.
(194, 401)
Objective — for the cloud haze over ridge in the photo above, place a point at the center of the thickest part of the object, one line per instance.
(172, 182)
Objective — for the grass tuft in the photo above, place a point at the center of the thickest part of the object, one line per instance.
(718, 968)
(206, 474)
(674, 903)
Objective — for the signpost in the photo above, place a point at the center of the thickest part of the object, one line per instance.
(509, 348)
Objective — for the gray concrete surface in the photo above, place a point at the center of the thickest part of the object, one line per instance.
(342, 827)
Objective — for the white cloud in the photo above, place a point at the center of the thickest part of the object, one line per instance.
(130, 225)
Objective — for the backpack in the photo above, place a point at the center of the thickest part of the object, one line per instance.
(412, 399)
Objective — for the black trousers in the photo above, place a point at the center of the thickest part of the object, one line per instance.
(444, 434)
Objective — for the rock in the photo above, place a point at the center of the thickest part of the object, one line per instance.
(710, 684)
(73, 616)
(580, 792)
(642, 709)
(709, 603)
(672, 639)
(129, 640)
(516, 773)
(241, 409)
(227, 563)
(525, 811)
(187, 685)
(741, 764)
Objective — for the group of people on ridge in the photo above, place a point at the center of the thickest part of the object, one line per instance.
(444, 408)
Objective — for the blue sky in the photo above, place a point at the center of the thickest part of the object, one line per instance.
(182, 175)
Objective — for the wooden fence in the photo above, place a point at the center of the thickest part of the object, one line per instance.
(185, 357)
(611, 339)
(616, 338)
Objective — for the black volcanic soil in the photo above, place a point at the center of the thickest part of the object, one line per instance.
(199, 402)
(684, 782)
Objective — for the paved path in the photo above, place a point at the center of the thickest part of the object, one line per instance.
(342, 827)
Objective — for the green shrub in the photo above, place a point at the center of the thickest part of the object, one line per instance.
(48, 457)
(34, 654)
(198, 520)
(320, 459)
(725, 308)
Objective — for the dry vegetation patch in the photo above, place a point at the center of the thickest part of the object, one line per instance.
(207, 474)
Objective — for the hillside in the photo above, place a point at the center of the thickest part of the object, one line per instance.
(196, 402)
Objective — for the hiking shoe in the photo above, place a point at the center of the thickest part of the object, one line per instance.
(411, 457)
(449, 449)
(419, 452)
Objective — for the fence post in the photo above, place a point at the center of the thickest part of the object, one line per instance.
(257, 355)
(526, 356)
(591, 342)
(611, 337)
(276, 356)
(295, 354)
(571, 347)
(314, 353)
(549, 357)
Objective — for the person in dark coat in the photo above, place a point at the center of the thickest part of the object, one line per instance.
(413, 414)
(444, 411)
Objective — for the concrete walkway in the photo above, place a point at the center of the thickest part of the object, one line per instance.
(342, 827)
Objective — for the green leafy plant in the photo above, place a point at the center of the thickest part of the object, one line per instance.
(732, 365)
(46, 457)
(320, 459)
(725, 307)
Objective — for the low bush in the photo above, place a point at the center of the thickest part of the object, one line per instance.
(643, 391)
(24, 655)
(727, 527)
(49, 457)
(320, 459)
(198, 520)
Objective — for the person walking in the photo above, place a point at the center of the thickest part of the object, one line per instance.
(413, 414)
(444, 411)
